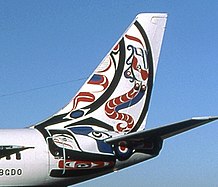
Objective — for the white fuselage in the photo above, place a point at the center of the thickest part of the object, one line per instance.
(33, 166)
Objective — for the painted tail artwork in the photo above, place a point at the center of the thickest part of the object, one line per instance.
(102, 129)
(116, 96)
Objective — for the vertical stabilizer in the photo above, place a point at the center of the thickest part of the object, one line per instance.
(117, 94)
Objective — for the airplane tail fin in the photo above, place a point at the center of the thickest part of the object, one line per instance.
(116, 96)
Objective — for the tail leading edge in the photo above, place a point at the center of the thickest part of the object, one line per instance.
(116, 96)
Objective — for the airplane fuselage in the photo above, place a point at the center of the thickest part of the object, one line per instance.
(37, 166)
(31, 162)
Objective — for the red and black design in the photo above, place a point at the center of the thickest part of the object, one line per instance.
(138, 73)
(111, 112)
(83, 97)
(83, 164)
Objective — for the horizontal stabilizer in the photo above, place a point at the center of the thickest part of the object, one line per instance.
(163, 132)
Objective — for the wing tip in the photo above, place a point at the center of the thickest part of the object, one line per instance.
(206, 118)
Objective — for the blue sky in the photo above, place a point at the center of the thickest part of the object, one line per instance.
(47, 42)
